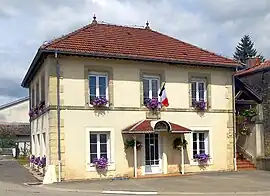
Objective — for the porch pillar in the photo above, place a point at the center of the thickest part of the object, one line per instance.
(182, 157)
(164, 154)
(135, 156)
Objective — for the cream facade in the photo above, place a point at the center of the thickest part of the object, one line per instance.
(212, 131)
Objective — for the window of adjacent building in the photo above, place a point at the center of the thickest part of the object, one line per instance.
(98, 85)
(42, 87)
(37, 93)
(198, 90)
(99, 146)
(200, 143)
(151, 85)
(32, 97)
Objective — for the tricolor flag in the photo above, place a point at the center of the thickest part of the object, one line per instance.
(163, 96)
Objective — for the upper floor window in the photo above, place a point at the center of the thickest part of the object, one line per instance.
(42, 87)
(98, 85)
(37, 93)
(32, 100)
(198, 90)
(151, 85)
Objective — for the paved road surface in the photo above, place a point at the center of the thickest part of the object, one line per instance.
(13, 176)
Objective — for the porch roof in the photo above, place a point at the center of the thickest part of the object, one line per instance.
(148, 126)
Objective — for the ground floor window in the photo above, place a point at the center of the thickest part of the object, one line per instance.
(99, 146)
(200, 143)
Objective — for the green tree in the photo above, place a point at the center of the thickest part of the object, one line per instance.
(7, 141)
(245, 49)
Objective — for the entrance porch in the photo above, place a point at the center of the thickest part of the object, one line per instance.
(153, 148)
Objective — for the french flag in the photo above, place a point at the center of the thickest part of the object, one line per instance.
(163, 96)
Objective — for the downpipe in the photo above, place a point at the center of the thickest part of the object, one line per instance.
(58, 115)
(234, 128)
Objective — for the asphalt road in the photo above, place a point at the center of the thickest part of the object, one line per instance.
(14, 179)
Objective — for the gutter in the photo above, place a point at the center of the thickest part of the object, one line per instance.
(58, 114)
(33, 68)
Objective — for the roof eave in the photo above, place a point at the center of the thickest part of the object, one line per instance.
(253, 72)
(33, 68)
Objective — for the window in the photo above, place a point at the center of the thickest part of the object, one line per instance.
(37, 93)
(199, 143)
(151, 87)
(198, 90)
(98, 85)
(42, 86)
(32, 98)
(99, 146)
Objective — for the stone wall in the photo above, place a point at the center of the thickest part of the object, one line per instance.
(260, 82)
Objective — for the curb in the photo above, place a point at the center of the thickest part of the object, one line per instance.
(127, 192)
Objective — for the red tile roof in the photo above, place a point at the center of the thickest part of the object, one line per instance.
(139, 43)
(144, 126)
(15, 129)
(255, 68)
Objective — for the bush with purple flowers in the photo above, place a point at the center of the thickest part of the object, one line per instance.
(37, 160)
(152, 104)
(42, 162)
(99, 101)
(202, 158)
(37, 109)
(200, 105)
(101, 163)
(32, 158)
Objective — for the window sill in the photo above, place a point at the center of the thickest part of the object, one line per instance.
(196, 163)
(91, 167)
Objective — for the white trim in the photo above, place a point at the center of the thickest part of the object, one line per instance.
(159, 154)
(97, 75)
(197, 81)
(150, 78)
(210, 144)
(110, 131)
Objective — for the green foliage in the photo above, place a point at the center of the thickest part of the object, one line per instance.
(245, 49)
(7, 141)
(178, 143)
(131, 144)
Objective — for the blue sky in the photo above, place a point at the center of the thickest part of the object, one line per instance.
(216, 25)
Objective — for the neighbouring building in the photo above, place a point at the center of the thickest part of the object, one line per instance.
(254, 92)
(108, 78)
(14, 121)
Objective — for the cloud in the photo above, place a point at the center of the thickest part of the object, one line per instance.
(210, 24)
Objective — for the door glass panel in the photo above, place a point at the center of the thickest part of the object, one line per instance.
(147, 153)
(151, 149)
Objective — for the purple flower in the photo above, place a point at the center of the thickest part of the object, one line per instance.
(200, 105)
(42, 162)
(99, 101)
(36, 161)
(41, 105)
(31, 113)
(32, 158)
(152, 103)
(202, 157)
(101, 163)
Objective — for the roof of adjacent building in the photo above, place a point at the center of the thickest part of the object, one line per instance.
(122, 42)
(20, 129)
(10, 104)
(256, 68)
(147, 126)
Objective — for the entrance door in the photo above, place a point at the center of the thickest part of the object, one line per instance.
(152, 158)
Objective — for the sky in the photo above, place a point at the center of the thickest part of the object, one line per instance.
(215, 25)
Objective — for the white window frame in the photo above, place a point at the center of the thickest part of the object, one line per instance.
(150, 78)
(97, 75)
(208, 144)
(98, 144)
(197, 81)
(111, 144)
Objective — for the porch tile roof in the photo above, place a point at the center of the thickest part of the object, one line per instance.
(21, 129)
(144, 126)
(253, 69)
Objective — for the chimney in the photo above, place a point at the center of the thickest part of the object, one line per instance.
(253, 61)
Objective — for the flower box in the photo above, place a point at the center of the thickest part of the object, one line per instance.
(202, 158)
(200, 105)
(99, 101)
(101, 163)
(152, 104)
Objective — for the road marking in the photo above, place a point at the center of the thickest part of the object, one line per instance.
(129, 193)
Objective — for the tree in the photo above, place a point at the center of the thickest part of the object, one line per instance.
(245, 50)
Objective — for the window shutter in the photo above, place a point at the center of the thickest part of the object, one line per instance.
(190, 93)
(208, 94)
(206, 141)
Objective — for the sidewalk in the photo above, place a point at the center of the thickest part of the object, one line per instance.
(214, 183)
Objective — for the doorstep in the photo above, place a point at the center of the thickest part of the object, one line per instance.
(162, 175)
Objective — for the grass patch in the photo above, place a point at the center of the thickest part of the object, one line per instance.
(23, 160)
